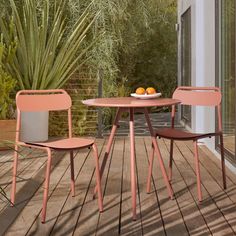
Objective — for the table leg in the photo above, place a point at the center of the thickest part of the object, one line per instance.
(132, 162)
(109, 144)
(156, 148)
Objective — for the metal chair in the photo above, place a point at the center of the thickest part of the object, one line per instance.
(193, 96)
(51, 100)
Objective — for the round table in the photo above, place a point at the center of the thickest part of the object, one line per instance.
(129, 104)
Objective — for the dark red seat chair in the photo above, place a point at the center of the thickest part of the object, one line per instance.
(51, 100)
(193, 96)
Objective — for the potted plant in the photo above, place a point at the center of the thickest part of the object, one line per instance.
(48, 50)
(7, 86)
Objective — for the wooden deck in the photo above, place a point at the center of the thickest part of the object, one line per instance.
(157, 215)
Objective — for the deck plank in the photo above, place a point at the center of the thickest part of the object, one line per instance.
(224, 201)
(128, 225)
(72, 206)
(217, 222)
(152, 222)
(192, 216)
(6, 172)
(60, 195)
(26, 159)
(108, 223)
(213, 165)
(172, 218)
(26, 196)
(88, 217)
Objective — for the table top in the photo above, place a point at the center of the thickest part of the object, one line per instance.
(130, 102)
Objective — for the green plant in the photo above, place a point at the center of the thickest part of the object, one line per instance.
(7, 82)
(116, 33)
(48, 51)
(153, 61)
(7, 85)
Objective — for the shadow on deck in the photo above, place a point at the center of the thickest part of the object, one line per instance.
(157, 214)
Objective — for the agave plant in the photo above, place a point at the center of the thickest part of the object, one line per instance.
(7, 82)
(47, 54)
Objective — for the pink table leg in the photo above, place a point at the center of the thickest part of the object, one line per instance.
(109, 144)
(132, 154)
(132, 162)
(156, 148)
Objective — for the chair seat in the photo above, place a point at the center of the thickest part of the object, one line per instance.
(175, 134)
(64, 144)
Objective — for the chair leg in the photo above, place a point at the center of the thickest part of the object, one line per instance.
(98, 178)
(171, 159)
(223, 161)
(72, 174)
(13, 190)
(46, 186)
(150, 170)
(197, 171)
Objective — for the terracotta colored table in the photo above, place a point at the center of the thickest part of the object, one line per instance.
(128, 104)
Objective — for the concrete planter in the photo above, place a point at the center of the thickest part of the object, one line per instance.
(34, 126)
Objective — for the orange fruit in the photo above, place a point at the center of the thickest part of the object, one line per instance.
(140, 91)
(150, 90)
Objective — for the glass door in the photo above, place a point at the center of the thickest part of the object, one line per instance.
(227, 80)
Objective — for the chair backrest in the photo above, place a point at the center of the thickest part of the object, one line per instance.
(198, 96)
(43, 100)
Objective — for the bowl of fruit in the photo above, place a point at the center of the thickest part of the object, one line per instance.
(147, 93)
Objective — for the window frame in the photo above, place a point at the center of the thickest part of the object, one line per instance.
(186, 118)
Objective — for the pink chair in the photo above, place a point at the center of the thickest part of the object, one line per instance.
(194, 96)
(51, 100)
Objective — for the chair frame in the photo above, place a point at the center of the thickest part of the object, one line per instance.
(56, 103)
(214, 99)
